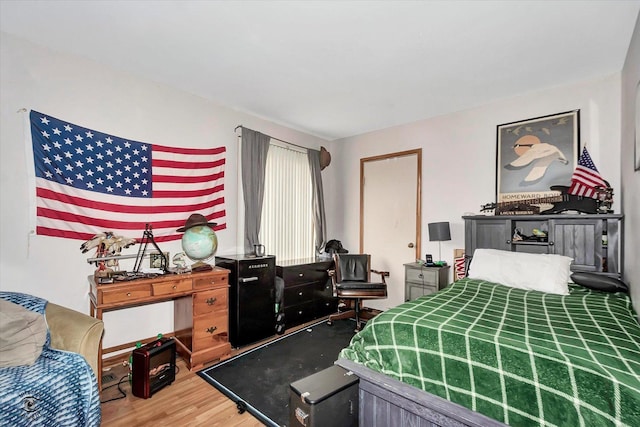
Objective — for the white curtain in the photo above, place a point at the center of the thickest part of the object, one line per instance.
(287, 226)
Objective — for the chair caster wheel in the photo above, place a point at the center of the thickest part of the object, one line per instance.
(241, 406)
(329, 322)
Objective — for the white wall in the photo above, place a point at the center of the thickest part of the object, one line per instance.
(458, 161)
(631, 178)
(91, 95)
(459, 155)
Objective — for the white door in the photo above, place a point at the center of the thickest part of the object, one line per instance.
(390, 218)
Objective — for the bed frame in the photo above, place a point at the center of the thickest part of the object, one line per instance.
(385, 401)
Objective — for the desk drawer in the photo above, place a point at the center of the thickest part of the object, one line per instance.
(207, 330)
(131, 293)
(173, 287)
(210, 281)
(420, 276)
(209, 301)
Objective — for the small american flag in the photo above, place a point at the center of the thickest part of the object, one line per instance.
(88, 182)
(586, 178)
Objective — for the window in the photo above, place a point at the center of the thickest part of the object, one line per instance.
(287, 229)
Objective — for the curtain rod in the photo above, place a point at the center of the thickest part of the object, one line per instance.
(277, 139)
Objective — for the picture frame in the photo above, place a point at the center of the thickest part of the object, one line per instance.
(535, 154)
(155, 259)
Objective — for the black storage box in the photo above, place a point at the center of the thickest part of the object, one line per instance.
(328, 398)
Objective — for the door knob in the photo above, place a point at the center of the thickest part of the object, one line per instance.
(411, 245)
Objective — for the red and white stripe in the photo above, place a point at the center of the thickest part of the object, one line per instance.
(184, 181)
(584, 182)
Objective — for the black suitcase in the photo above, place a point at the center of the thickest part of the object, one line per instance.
(328, 398)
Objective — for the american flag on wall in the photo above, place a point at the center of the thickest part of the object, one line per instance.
(87, 182)
(586, 177)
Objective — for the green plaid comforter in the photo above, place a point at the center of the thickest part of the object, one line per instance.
(525, 358)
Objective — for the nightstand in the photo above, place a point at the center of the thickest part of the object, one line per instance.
(420, 280)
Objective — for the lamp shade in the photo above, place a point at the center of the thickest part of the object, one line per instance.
(439, 231)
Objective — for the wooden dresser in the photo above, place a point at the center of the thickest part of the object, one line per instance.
(308, 293)
(201, 311)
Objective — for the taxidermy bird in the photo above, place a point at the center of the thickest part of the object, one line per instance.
(94, 242)
(107, 244)
(118, 244)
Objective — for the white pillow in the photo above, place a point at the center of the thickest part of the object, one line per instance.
(22, 335)
(540, 272)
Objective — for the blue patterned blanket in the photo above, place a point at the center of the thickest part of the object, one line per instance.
(59, 389)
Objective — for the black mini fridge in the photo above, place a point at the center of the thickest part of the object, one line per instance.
(328, 398)
(251, 297)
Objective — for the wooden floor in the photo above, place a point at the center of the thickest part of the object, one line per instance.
(188, 401)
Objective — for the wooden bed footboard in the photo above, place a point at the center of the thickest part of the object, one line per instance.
(385, 401)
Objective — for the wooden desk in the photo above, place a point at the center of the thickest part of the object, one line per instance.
(201, 311)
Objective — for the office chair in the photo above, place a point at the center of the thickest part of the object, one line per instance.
(351, 279)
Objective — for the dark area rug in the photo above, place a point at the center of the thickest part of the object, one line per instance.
(260, 378)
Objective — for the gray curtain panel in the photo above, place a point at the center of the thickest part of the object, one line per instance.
(319, 218)
(255, 147)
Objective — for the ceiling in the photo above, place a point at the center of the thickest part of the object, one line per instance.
(340, 68)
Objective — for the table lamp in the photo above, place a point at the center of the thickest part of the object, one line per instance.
(439, 232)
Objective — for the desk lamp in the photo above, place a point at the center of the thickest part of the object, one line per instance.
(439, 232)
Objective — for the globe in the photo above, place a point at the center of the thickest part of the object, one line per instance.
(199, 243)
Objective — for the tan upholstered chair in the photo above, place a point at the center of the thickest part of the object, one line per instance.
(351, 278)
(74, 331)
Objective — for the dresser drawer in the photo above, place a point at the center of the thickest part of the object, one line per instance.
(174, 287)
(210, 301)
(298, 294)
(414, 291)
(210, 281)
(325, 307)
(299, 314)
(130, 293)
(425, 276)
(299, 274)
(210, 329)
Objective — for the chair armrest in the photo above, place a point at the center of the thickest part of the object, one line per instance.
(382, 274)
(76, 332)
(332, 276)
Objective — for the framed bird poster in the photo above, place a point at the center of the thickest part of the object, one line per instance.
(534, 155)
